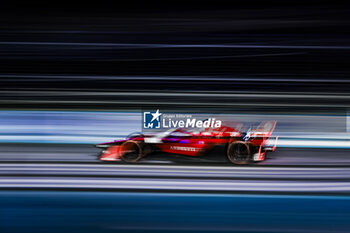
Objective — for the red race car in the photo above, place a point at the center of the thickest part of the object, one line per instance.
(240, 147)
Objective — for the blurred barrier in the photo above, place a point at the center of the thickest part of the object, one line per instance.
(89, 127)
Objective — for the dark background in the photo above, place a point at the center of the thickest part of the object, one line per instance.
(270, 47)
(302, 39)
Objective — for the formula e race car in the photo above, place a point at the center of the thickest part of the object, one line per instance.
(240, 147)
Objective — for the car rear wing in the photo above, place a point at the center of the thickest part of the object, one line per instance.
(264, 132)
(266, 127)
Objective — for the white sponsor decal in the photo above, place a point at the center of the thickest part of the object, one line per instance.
(184, 148)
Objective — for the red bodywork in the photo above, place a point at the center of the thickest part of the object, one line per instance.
(195, 142)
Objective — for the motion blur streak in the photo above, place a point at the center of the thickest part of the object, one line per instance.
(296, 173)
(176, 185)
(176, 45)
(71, 127)
(41, 78)
(289, 171)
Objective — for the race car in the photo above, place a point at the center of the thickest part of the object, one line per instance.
(240, 147)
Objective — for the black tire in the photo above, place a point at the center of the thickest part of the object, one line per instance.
(239, 153)
(133, 151)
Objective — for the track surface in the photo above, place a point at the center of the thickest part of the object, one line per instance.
(76, 167)
(41, 212)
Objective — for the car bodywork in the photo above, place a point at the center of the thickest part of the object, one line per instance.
(241, 147)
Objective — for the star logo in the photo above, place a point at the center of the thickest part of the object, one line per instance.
(156, 115)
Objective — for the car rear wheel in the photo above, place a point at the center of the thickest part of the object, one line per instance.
(239, 153)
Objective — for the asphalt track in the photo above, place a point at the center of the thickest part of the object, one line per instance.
(75, 167)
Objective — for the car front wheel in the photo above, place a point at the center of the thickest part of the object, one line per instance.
(131, 151)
